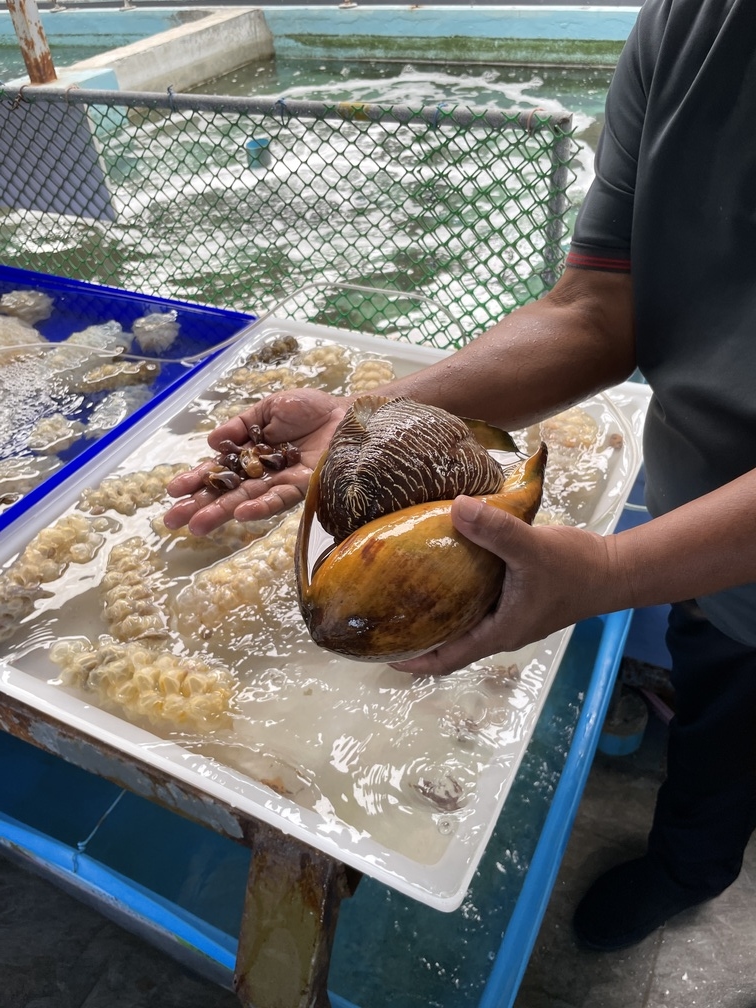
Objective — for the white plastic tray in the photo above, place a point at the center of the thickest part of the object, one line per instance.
(363, 726)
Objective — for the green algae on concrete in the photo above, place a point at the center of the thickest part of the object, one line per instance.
(456, 49)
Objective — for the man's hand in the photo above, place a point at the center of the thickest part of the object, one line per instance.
(555, 576)
(305, 417)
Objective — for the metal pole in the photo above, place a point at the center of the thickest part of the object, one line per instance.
(558, 202)
(33, 42)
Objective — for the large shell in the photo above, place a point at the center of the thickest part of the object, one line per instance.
(388, 454)
(407, 581)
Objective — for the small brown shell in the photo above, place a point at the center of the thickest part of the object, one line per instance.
(389, 454)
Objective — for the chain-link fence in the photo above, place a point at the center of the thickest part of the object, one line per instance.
(240, 202)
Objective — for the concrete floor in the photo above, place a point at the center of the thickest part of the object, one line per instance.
(703, 958)
(57, 953)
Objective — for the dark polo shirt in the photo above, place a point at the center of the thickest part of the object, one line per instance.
(674, 202)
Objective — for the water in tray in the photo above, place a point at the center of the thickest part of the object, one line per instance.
(199, 641)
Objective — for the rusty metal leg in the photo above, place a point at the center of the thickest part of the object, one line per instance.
(289, 922)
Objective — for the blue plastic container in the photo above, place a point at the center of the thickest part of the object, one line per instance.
(180, 886)
(258, 152)
(78, 305)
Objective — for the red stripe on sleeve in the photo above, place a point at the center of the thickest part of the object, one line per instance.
(611, 263)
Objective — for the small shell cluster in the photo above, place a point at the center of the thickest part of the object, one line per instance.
(284, 366)
(131, 603)
(236, 463)
(246, 579)
(251, 381)
(273, 350)
(126, 494)
(148, 683)
(370, 374)
(72, 539)
(330, 364)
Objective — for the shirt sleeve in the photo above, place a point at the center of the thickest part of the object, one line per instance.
(602, 236)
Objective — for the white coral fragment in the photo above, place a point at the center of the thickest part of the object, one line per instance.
(28, 305)
(17, 339)
(144, 682)
(156, 331)
(116, 375)
(53, 434)
(114, 409)
(101, 342)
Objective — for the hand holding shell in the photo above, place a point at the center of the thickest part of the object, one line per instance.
(400, 580)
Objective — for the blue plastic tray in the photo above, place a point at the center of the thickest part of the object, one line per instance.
(77, 305)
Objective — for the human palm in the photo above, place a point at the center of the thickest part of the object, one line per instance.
(305, 418)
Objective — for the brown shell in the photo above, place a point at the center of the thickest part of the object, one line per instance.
(389, 454)
(408, 581)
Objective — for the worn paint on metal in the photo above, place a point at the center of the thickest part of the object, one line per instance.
(33, 41)
(289, 924)
(96, 757)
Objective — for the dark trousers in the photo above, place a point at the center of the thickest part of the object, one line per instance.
(706, 808)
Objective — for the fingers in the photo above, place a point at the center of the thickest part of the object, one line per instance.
(236, 429)
(480, 642)
(188, 482)
(486, 525)
(304, 416)
(278, 498)
(507, 537)
(252, 500)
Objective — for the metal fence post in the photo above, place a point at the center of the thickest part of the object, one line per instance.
(33, 41)
(557, 202)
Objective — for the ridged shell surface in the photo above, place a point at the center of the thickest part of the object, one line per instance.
(389, 454)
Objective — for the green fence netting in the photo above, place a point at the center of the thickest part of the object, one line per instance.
(443, 218)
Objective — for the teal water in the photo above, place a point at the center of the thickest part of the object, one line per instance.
(12, 63)
(581, 91)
